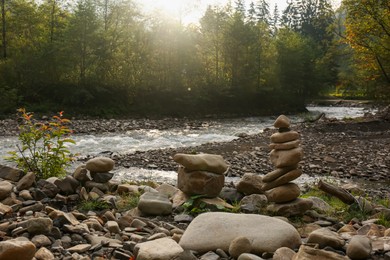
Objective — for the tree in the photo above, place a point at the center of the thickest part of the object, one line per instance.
(3, 29)
(310, 17)
(212, 28)
(296, 69)
(368, 32)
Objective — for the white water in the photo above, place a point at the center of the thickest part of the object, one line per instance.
(141, 140)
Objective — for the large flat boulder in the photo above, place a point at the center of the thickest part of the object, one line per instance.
(202, 162)
(210, 231)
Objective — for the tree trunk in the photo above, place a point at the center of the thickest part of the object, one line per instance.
(4, 42)
(340, 193)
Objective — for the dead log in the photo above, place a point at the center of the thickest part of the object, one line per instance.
(316, 118)
(338, 192)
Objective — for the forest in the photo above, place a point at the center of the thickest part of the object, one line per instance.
(107, 58)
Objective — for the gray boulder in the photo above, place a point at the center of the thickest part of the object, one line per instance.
(210, 231)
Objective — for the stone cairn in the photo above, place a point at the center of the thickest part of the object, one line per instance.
(201, 174)
(285, 156)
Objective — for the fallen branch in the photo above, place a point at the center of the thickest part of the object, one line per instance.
(316, 118)
(340, 193)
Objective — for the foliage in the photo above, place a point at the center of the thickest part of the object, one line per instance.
(43, 145)
(193, 207)
(346, 212)
(105, 58)
(368, 32)
(93, 205)
(128, 201)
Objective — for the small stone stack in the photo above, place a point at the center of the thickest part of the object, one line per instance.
(201, 174)
(285, 156)
(95, 176)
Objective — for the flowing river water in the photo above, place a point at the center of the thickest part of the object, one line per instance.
(221, 130)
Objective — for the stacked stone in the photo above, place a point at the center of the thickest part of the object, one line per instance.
(201, 174)
(285, 156)
(95, 176)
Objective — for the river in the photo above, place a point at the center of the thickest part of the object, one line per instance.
(221, 130)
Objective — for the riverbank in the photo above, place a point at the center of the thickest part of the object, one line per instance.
(357, 150)
(64, 220)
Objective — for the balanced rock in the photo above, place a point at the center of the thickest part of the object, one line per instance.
(210, 231)
(101, 177)
(202, 162)
(200, 182)
(100, 164)
(285, 146)
(277, 173)
(285, 158)
(283, 193)
(284, 137)
(282, 122)
(290, 176)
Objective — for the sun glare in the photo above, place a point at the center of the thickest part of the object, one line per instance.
(183, 10)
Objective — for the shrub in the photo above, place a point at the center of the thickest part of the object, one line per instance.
(43, 147)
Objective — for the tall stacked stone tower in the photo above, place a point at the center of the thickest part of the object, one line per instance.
(285, 156)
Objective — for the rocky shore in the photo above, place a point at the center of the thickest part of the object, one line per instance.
(88, 216)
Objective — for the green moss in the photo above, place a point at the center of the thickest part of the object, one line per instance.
(93, 205)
